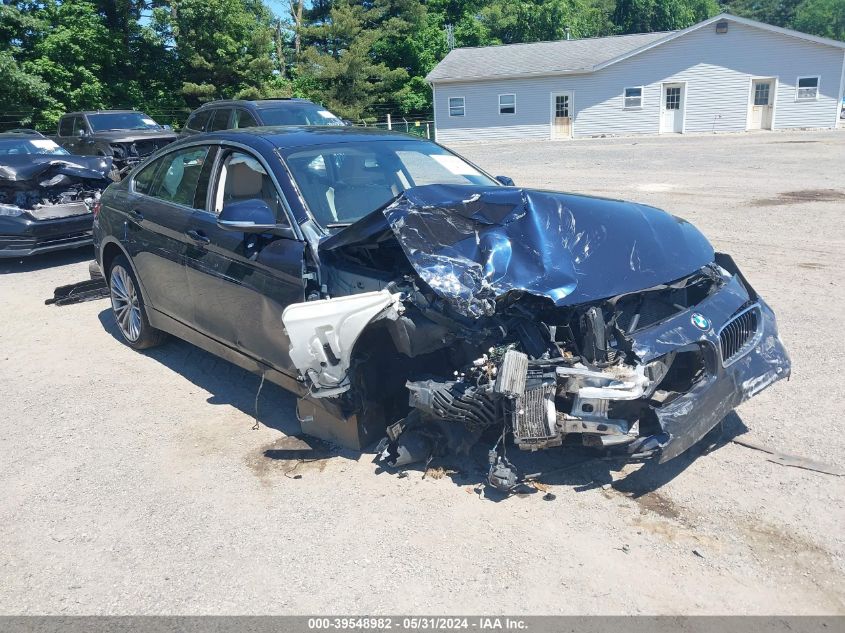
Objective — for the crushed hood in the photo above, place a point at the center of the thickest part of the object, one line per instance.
(23, 167)
(472, 244)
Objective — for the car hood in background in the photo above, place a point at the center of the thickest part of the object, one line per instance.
(23, 167)
(472, 244)
(130, 136)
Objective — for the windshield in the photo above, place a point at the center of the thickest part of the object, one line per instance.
(342, 183)
(18, 146)
(298, 114)
(121, 121)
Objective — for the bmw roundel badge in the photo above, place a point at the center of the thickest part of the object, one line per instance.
(700, 321)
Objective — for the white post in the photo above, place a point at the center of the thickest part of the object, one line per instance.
(427, 134)
(389, 123)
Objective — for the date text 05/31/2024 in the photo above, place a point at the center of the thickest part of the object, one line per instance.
(420, 623)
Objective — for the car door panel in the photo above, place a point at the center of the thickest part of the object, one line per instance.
(241, 282)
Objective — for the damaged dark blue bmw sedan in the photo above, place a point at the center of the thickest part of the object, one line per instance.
(406, 296)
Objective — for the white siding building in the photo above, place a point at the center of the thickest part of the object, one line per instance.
(725, 74)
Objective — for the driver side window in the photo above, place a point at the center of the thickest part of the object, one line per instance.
(243, 177)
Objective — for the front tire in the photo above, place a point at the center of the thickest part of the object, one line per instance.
(128, 307)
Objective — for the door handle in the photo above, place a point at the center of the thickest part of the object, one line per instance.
(136, 213)
(198, 236)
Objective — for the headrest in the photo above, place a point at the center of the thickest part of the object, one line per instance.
(243, 181)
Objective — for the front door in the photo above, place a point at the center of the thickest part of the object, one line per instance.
(672, 108)
(241, 282)
(562, 115)
(762, 104)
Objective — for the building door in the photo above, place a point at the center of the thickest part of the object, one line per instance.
(672, 108)
(762, 104)
(562, 112)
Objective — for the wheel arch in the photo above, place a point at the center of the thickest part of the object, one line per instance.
(111, 248)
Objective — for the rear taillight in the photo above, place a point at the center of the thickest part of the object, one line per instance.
(95, 209)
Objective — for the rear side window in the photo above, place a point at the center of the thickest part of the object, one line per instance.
(79, 124)
(220, 120)
(66, 126)
(198, 120)
(176, 180)
(244, 119)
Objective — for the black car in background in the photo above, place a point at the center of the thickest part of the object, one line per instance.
(237, 114)
(128, 136)
(404, 294)
(47, 195)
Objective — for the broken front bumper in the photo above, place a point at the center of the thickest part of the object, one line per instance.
(691, 370)
(735, 332)
(23, 236)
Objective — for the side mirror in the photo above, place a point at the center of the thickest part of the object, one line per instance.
(247, 216)
(168, 127)
(505, 180)
(82, 133)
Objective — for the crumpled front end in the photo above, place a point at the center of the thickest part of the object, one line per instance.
(46, 202)
(536, 318)
(630, 385)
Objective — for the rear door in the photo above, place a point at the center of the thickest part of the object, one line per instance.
(161, 201)
(241, 282)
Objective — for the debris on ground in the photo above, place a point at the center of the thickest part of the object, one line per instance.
(89, 290)
(795, 461)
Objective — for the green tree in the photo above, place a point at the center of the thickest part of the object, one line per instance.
(71, 57)
(776, 12)
(342, 58)
(644, 16)
(825, 18)
(514, 21)
(223, 48)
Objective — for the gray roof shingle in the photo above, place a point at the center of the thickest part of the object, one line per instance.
(565, 56)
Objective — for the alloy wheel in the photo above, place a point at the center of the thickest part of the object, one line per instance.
(125, 304)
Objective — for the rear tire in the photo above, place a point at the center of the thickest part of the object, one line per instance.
(128, 307)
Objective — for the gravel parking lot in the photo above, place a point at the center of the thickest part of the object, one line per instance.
(134, 483)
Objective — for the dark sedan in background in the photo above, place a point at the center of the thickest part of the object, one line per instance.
(47, 195)
(404, 294)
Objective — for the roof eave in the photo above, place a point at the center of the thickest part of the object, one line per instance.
(716, 18)
(553, 73)
(669, 37)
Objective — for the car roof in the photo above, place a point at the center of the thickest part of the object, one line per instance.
(21, 135)
(302, 136)
(258, 103)
(102, 112)
(23, 131)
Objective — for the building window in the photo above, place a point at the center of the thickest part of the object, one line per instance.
(808, 89)
(633, 98)
(456, 106)
(507, 104)
(673, 98)
(761, 94)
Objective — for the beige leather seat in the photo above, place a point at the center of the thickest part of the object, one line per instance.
(242, 183)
